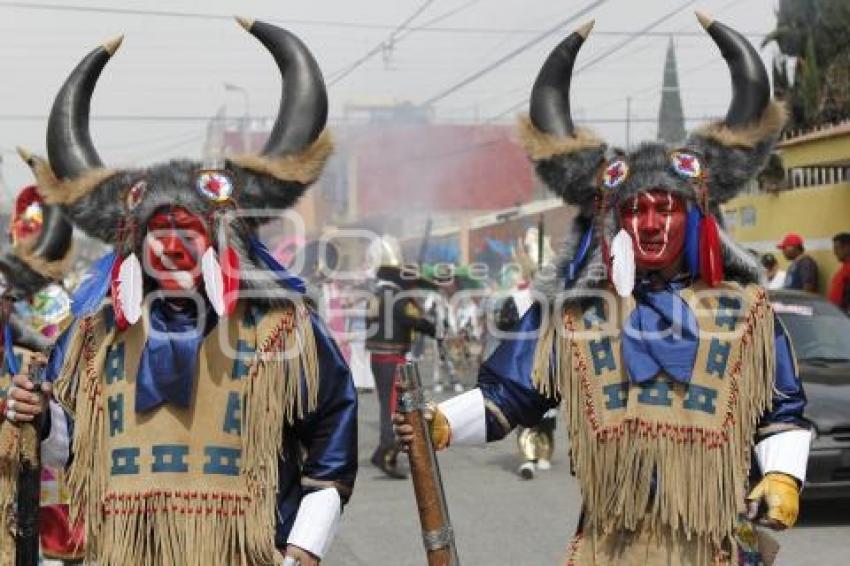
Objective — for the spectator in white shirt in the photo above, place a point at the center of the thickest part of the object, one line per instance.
(775, 276)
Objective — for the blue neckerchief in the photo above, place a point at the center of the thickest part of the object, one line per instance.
(661, 335)
(170, 355)
(9, 351)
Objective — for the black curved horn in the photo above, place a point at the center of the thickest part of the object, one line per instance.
(750, 83)
(69, 145)
(56, 236)
(304, 100)
(549, 107)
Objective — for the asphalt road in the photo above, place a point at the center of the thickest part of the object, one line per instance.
(501, 519)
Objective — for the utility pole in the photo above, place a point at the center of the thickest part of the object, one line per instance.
(246, 119)
(628, 123)
(6, 199)
(214, 143)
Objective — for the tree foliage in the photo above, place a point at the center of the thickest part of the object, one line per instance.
(815, 35)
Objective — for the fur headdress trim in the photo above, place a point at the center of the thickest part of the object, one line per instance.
(304, 167)
(70, 191)
(540, 145)
(768, 126)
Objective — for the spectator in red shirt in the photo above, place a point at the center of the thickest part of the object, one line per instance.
(839, 288)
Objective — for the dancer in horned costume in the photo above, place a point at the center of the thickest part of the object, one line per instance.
(663, 347)
(395, 315)
(213, 417)
(34, 308)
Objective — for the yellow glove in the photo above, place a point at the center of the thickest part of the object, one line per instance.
(781, 494)
(440, 429)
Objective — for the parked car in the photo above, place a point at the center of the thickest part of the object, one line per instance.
(820, 334)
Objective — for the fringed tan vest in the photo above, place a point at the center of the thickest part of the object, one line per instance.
(15, 443)
(694, 440)
(193, 486)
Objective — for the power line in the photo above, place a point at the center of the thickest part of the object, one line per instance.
(172, 14)
(530, 31)
(401, 32)
(525, 46)
(428, 25)
(112, 118)
(341, 74)
(646, 92)
(41, 6)
(152, 154)
(597, 59)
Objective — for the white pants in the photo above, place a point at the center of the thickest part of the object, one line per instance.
(361, 368)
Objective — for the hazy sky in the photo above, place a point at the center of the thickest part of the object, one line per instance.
(169, 74)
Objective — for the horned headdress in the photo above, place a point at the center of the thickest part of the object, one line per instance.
(114, 205)
(38, 255)
(712, 166)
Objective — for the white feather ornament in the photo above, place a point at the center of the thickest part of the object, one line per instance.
(130, 289)
(213, 280)
(623, 263)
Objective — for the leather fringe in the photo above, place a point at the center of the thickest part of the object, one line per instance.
(200, 527)
(9, 468)
(701, 473)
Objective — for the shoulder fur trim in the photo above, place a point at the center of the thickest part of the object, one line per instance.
(67, 192)
(305, 167)
(769, 125)
(55, 270)
(540, 145)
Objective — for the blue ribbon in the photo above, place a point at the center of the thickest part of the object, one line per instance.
(692, 241)
(572, 268)
(262, 252)
(9, 352)
(94, 287)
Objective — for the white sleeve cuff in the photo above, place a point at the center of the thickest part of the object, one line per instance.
(786, 452)
(465, 413)
(55, 449)
(317, 521)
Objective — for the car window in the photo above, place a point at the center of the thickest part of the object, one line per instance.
(819, 331)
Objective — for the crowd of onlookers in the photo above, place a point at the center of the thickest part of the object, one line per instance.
(802, 273)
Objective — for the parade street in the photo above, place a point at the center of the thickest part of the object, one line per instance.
(500, 519)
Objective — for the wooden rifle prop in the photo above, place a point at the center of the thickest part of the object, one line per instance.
(437, 533)
(426, 239)
(29, 481)
(24, 521)
(540, 242)
(439, 323)
(442, 352)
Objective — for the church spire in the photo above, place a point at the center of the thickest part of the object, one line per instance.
(671, 120)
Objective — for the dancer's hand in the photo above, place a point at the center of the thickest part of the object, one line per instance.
(438, 427)
(24, 404)
(300, 556)
(781, 493)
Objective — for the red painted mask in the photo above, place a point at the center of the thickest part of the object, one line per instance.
(175, 242)
(656, 221)
(28, 216)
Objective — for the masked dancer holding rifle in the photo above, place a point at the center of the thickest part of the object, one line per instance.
(655, 335)
(211, 417)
